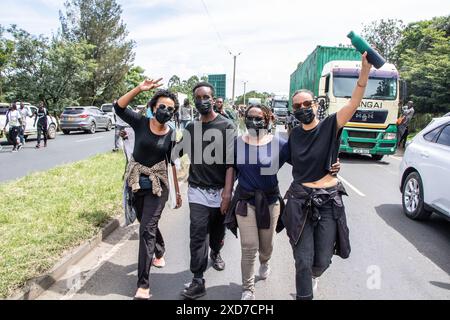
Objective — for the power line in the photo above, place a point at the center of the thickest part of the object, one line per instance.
(214, 27)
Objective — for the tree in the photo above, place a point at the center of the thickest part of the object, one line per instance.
(135, 77)
(384, 35)
(253, 94)
(48, 70)
(6, 50)
(98, 23)
(425, 63)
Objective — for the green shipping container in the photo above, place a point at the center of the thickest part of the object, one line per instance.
(307, 75)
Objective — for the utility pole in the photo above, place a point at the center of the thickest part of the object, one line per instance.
(234, 74)
(245, 84)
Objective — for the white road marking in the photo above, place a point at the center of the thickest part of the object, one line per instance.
(352, 187)
(90, 139)
(396, 158)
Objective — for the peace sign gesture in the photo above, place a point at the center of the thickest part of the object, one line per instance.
(150, 84)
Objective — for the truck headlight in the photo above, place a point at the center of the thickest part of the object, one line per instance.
(390, 136)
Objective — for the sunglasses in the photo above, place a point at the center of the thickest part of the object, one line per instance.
(255, 119)
(306, 104)
(163, 106)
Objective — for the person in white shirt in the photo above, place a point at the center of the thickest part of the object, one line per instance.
(24, 113)
(14, 119)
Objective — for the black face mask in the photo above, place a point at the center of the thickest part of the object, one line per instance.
(305, 115)
(203, 106)
(254, 125)
(163, 115)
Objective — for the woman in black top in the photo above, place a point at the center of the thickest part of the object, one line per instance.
(147, 170)
(314, 217)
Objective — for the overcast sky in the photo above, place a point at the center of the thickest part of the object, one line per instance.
(180, 37)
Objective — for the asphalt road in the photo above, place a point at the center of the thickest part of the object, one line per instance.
(392, 256)
(64, 149)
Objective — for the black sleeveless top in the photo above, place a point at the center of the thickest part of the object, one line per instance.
(314, 151)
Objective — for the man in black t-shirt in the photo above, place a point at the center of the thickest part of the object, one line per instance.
(42, 124)
(209, 143)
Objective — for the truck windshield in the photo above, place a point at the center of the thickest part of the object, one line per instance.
(107, 108)
(280, 104)
(377, 88)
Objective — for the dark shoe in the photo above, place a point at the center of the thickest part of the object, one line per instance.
(195, 290)
(218, 263)
(38, 146)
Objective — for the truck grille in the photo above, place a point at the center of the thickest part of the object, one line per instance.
(387, 145)
(362, 134)
(364, 145)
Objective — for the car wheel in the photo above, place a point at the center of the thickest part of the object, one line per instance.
(412, 198)
(377, 157)
(109, 126)
(66, 131)
(92, 128)
(51, 133)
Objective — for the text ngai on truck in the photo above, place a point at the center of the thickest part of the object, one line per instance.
(331, 74)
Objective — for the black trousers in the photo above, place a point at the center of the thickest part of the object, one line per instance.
(314, 251)
(41, 128)
(207, 230)
(149, 208)
(13, 133)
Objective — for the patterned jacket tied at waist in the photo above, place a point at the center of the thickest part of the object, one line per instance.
(156, 174)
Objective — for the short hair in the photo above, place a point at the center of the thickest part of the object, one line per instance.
(204, 84)
(163, 93)
(304, 91)
(266, 111)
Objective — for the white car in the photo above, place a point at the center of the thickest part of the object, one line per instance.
(425, 172)
(30, 130)
(108, 108)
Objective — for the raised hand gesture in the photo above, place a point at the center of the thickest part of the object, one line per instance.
(150, 84)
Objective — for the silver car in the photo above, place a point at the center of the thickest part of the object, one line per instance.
(87, 119)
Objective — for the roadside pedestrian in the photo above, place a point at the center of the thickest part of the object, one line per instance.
(315, 217)
(210, 185)
(13, 118)
(403, 128)
(147, 170)
(185, 113)
(25, 114)
(42, 124)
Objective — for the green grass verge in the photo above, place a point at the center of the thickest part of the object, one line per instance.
(45, 214)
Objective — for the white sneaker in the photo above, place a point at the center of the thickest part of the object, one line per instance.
(264, 271)
(315, 283)
(248, 295)
(187, 285)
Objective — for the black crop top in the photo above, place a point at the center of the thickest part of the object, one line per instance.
(314, 151)
(149, 148)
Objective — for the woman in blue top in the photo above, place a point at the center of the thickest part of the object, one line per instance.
(257, 202)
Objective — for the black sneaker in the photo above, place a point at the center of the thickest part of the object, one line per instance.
(218, 263)
(195, 290)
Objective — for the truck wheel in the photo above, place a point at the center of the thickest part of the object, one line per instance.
(51, 133)
(377, 157)
(412, 198)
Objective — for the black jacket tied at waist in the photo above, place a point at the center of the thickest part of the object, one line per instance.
(305, 202)
(239, 206)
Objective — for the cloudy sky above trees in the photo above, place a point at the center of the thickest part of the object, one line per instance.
(195, 37)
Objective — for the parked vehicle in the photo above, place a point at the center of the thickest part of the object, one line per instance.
(331, 74)
(425, 172)
(30, 130)
(279, 104)
(87, 119)
(108, 108)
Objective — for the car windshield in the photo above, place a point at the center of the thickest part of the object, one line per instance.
(73, 110)
(281, 104)
(377, 88)
(107, 108)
